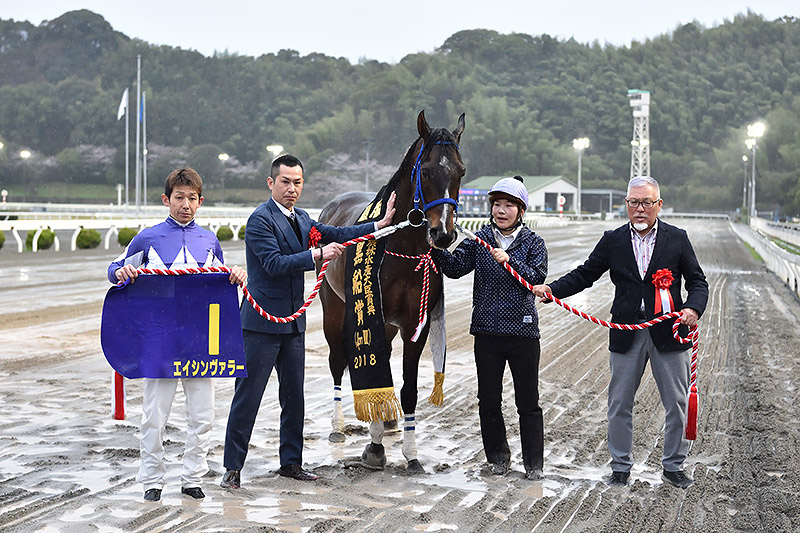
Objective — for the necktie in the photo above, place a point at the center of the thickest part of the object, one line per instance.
(293, 221)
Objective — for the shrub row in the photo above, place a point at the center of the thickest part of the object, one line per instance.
(90, 238)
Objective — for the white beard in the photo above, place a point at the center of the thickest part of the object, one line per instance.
(640, 226)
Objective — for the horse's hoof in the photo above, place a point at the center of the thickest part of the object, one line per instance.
(336, 436)
(414, 467)
(374, 456)
(390, 425)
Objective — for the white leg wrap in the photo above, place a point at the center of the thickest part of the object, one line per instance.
(337, 420)
(376, 432)
(409, 437)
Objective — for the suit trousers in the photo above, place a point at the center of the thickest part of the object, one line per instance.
(263, 352)
(522, 355)
(671, 374)
(157, 398)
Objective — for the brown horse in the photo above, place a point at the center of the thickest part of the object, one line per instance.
(426, 185)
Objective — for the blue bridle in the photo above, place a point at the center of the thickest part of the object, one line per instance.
(416, 175)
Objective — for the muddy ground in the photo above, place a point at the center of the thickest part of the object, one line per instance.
(65, 465)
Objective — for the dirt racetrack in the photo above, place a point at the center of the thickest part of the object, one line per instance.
(65, 465)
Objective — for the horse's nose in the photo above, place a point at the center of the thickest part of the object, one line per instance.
(441, 238)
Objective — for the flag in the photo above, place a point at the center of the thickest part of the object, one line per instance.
(174, 327)
(123, 104)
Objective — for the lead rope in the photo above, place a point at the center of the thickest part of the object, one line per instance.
(388, 230)
(693, 338)
(425, 263)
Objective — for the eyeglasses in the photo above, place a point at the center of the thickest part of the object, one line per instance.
(647, 204)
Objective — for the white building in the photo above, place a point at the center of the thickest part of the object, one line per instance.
(543, 194)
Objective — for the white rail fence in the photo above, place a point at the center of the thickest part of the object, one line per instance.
(108, 221)
(786, 232)
(783, 264)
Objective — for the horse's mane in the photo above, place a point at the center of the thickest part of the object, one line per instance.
(437, 135)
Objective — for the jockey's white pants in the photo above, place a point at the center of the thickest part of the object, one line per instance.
(157, 401)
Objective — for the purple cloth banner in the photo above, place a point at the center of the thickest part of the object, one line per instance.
(174, 327)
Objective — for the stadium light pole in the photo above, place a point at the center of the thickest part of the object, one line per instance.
(744, 186)
(580, 144)
(25, 155)
(754, 132)
(223, 157)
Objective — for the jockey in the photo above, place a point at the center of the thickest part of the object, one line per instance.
(505, 323)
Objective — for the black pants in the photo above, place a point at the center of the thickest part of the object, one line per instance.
(522, 355)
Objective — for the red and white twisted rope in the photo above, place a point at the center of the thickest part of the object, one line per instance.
(693, 338)
(272, 318)
(425, 263)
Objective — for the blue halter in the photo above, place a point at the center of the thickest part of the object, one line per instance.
(416, 175)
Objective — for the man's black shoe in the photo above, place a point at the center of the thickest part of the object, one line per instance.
(499, 469)
(677, 479)
(533, 474)
(231, 480)
(152, 495)
(619, 479)
(297, 472)
(194, 492)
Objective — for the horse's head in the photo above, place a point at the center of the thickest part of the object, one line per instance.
(436, 179)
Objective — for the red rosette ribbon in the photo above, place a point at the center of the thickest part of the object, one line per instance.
(662, 279)
(314, 237)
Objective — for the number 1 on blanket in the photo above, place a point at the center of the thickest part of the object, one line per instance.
(213, 329)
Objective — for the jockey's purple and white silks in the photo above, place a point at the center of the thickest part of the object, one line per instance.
(170, 245)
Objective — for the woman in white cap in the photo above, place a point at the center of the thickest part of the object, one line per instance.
(505, 323)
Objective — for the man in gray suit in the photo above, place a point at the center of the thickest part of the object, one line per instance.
(634, 255)
(278, 254)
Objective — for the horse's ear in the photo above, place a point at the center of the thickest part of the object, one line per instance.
(459, 128)
(422, 126)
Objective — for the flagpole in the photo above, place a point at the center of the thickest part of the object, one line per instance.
(144, 148)
(127, 145)
(138, 124)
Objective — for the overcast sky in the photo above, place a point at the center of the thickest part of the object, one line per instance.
(387, 31)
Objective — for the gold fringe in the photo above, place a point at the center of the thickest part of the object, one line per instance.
(374, 405)
(437, 396)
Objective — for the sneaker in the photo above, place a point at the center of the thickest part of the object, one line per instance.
(231, 480)
(533, 474)
(152, 495)
(499, 469)
(619, 479)
(677, 479)
(194, 492)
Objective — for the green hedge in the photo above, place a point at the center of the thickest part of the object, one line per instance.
(45, 239)
(241, 233)
(126, 235)
(2, 239)
(88, 238)
(224, 233)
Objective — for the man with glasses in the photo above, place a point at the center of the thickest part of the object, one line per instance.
(637, 255)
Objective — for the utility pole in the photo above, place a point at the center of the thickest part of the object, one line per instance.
(640, 144)
(366, 178)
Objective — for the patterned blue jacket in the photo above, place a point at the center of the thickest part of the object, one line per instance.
(500, 304)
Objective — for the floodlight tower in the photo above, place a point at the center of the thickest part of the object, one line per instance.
(640, 144)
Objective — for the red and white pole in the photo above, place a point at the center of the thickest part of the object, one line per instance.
(118, 396)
